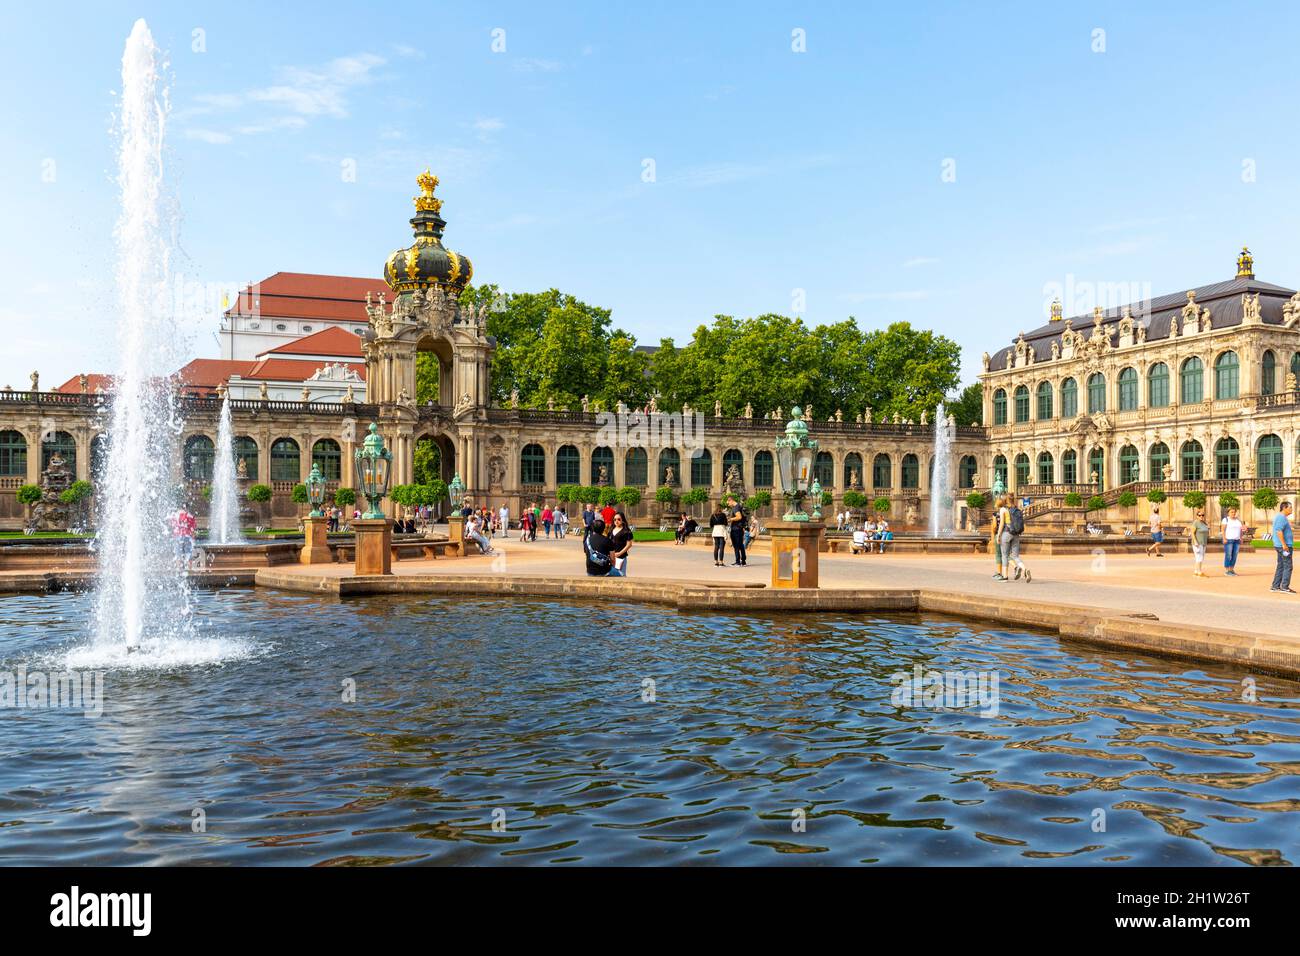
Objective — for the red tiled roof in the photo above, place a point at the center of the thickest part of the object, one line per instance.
(332, 341)
(301, 295)
(95, 380)
(202, 376)
(292, 370)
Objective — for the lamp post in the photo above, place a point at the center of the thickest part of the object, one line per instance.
(456, 520)
(374, 463)
(315, 491)
(798, 536)
(315, 545)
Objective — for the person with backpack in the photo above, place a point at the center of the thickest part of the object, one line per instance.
(737, 520)
(598, 548)
(1011, 525)
(718, 533)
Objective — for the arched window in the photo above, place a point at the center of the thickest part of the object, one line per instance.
(852, 470)
(824, 469)
(1000, 407)
(199, 456)
(1000, 470)
(764, 468)
(1130, 465)
(1046, 468)
(966, 473)
(1191, 386)
(1070, 467)
(1158, 385)
(568, 466)
(1227, 376)
(1022, 403)
(532, 465)
(1295, 365)
(1069, 398)
(733, 456)
(1190, 458)
(284, 460)
(1022, 469)
(1227, 459)
(66, 447)
(602, 456)
(669, 458)
(13, 454)
(636, 464)
(328, 457)
(702, 468)
(1044, 401)
(245, 448)
(1270, 457)
(882, 472)
(1097, 466)
(98, 458)
(1268, 373)
(1157, 458)
(1096, 393)
(912, 467)
(1128, 390)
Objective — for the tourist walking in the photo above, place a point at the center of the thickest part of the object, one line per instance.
(607, 515)
(1283, 546)
(548, 519)
(503, 515)
(561, 523)
(1200, 541)
(751, 532)
(621, 536)
(588, 516)
(1157, 532)
(718, 531)
(597, 547)
(1011, 525)
(1232, 531)
(737, 519)
(183, 528)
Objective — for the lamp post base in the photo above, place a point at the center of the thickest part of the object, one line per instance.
(374, 546)
(315, 547)
(794, 552)
(456, 534)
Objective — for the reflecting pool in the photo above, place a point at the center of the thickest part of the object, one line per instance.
(396, 730)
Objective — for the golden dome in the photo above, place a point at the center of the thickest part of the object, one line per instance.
(426, 263)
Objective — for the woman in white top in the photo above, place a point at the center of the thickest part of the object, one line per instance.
(1232, 529)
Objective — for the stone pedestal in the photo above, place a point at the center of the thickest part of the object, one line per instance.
(315, 547)
(794, 552)
(456, 534)
(374, 545)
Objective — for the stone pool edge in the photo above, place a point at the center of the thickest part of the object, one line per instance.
(1138, 632)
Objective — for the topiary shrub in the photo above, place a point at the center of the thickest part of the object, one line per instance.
(343, 497)
(976, 501)
(1127, 499)
(1194, 499)
(300, 494)
(881, 506)
(1229, 500)
(856, 500)
(29, 494)
(696, 496)
(77, 492)
(1073, 499)
(206, 492)
(664, 495)
(628, 497)
(260, 494)
(1265, 499)
(1156, 496)
(1096, 503)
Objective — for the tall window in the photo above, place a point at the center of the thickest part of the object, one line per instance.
(1070, 467)
(602, 457)
(568, 466)
(1097, 466)
(852, 469)
(199, 456)
(1130, 465)
(882, 472)
(1044, 401)
(1022, 403)
(1000, 407)
(1046, 468)
(532, 465)
(1022, 469)
(1268, 374)
(1128, 390)
(911, 472)
(669, 458)
(1227, 459)
(13, 454)
(1190, 458)
(824, 469)
(328, 457)
(1226, 376)
(1192, 381)
(1096, 393)
(702, 469)
(246, 448)
(1069, 398)
(1000, 470)
(731, 457)
(284, 460)
(66, 447)
(969, 468)
(1270, 457)
(99, 457)
(763, 469)
(1158, 385)
(1157, 458)
(637, 466)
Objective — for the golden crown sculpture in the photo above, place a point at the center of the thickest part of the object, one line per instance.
(426, 201)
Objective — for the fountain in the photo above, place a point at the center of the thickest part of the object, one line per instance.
(941, 517)
(225, 510)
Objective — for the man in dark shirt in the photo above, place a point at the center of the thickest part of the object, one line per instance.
(736, 525)
(597, 543)
(588, 516)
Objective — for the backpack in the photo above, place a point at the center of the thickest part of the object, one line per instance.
(595, 557)
(1017, 523)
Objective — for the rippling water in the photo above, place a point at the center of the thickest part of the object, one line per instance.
(516, 732)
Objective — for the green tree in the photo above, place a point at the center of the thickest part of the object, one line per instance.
(29, 494)
(1194, 500)
(881, 505)
(1073, 499)
(427, 460)
(1156, 496)
(343, 497)
(975, 501)
(1228, 500)
(628, 497)
(1096, 503)
(968, 407)
(260, 494)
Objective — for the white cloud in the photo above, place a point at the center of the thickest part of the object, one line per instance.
(207, 136)
(919, 261)
(530, 64)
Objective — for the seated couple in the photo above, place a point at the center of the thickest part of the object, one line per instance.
(607, 553)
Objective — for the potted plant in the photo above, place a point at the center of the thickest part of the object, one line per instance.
(259, 495)
(1129, 499)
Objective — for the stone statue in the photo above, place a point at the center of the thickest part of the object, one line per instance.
(839, 415)
(602, 477)
(856, 483)
(924, 418)
(733, 482)
(654, 404)
(717, 408)
(496, 471)
(586, 403)
(514, 398)
(867, 416)
(1290, 381)
(51, 512)
(670, 476)
(36, 381)
(987, 361)
(349, 396)
(261, 390)
(911, 516)
(550, 404)
(749, 410)
(241, 470)
(306, 394)
(84, 381)
(1167, 471)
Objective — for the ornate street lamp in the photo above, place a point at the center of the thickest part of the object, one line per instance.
(316, 491)
(815, 493)
(374, 463)
(794, 455)
(456, 493)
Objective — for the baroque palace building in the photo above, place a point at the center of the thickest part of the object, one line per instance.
(1059, 404)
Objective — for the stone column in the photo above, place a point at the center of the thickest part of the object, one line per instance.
(315, 549)
(794, 552)
(374, 546)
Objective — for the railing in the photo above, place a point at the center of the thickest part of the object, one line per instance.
(1280, 400)
(1244, 488)
(194, 403)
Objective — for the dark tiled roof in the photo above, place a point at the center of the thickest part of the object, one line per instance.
(1223, 299)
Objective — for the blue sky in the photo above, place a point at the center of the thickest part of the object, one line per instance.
(1142, 159)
